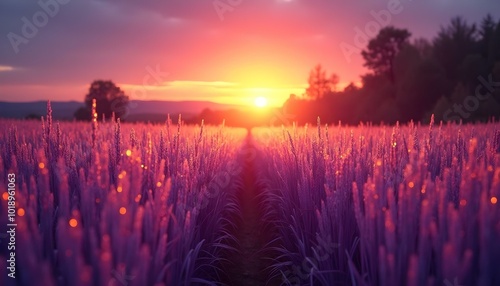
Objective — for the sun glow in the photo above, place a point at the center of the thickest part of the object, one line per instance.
(260, 102)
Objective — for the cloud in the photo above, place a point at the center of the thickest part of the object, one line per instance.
(183, 84)
(6, 68)
(193, 83)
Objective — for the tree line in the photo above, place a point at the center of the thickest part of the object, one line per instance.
(455, 76)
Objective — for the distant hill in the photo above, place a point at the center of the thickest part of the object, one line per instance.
(60, 110)
(139, 110)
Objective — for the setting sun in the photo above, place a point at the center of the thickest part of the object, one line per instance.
(260, 101)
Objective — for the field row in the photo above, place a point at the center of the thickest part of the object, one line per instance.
(138, 204)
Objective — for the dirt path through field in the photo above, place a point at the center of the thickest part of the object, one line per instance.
(248, 266)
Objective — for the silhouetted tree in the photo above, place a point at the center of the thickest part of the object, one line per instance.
(453, 44)
(109, 98)
(472, 66)
(351, 88)
(376, 89)
(490, 42)
(496, 74)
(421, 87)
(442, 110)
(381, 51)
(487, 34)
(407, 58)
(423, 46)
(320, 84)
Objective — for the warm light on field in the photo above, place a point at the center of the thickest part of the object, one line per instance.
(260, 102)
(167, 185)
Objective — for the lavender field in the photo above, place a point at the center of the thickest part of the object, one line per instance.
(110, 203)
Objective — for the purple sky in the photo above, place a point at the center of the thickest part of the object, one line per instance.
(257, 48)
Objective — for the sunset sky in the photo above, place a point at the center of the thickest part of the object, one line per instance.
(188, 50)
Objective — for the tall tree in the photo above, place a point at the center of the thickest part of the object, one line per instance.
(109, 98)
(486, 32)
(421, 86)
(453, 44)
(320, 84)
(381, 51)
(493, 49)
(423, 46)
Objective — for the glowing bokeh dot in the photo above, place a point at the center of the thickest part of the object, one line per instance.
(73, 222)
